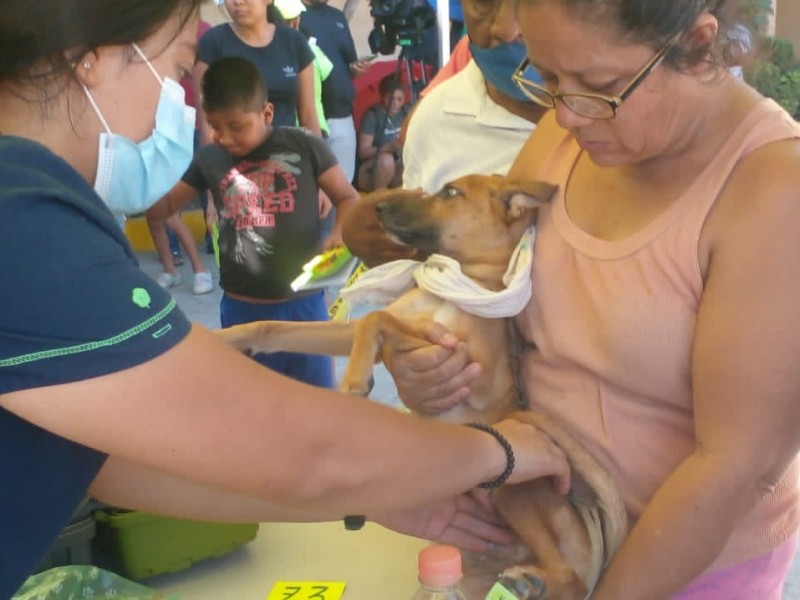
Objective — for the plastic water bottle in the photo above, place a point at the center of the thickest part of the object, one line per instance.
(439, 574)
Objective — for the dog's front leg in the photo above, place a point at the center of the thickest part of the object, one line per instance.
(333, 338)
(373, 333)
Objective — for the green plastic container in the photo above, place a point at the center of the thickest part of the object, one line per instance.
(143, 545)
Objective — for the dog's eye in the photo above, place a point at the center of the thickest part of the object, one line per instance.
(450, 192)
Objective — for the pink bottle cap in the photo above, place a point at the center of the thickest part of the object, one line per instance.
(439, 565)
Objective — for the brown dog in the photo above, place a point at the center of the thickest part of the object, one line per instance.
(478, 221)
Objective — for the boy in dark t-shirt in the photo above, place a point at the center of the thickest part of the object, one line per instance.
(264, 182)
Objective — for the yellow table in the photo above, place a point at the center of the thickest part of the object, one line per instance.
(375, 563)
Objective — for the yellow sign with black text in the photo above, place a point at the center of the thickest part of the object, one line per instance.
(307, 590)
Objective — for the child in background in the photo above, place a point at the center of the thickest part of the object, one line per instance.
(264, 182)
(202, 282)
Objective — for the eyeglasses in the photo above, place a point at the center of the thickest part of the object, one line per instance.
(592, 106)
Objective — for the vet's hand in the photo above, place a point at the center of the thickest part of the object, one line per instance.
(460, 521)
(435, 378)
(365, 238)
(536, 455)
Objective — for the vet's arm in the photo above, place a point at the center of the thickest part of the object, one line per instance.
(365, 238)
(343, 196)
(136, 487)
(745, 381)
(179, 196)
(458, 520)
(236, 426)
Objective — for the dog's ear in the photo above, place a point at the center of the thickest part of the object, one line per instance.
(521, 197)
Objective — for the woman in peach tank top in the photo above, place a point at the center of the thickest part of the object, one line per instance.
(665, 323)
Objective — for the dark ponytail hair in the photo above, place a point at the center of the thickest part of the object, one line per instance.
(42, 39)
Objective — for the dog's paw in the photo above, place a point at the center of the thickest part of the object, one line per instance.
(525, 581)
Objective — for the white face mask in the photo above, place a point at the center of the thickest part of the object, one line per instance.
(131, 177)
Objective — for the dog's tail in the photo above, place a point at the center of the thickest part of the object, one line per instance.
(614, 519)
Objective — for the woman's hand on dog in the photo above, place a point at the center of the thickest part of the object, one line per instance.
(461, 521)
(435, 378)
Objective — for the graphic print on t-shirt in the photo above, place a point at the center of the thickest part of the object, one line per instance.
(253, 194)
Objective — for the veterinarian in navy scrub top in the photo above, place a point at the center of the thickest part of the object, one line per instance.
(90, 345)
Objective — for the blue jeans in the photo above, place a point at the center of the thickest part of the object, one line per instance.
(309, 368)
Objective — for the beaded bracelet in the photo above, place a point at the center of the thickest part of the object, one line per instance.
(509, 455)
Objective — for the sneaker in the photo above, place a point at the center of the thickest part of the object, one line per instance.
(166, 281)
(202, 283)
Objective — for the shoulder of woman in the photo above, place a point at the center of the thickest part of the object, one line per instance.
(762, 194)
(544, 137)
(772, 170)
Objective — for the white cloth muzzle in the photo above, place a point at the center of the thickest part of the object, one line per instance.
(442, 276)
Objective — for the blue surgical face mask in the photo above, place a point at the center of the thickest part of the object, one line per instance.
(131, 177)
(498, 64)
